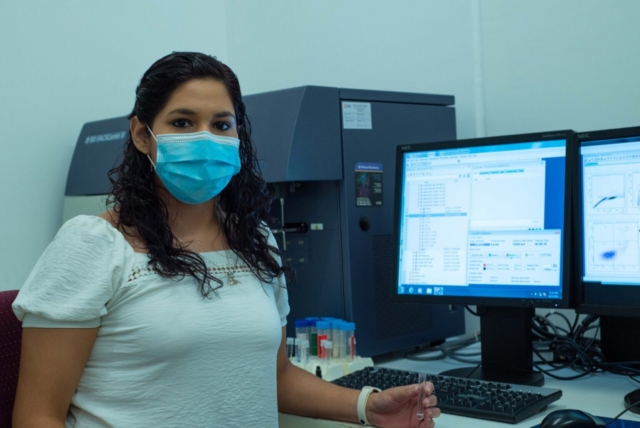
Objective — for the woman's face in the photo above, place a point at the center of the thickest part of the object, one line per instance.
(196, 105)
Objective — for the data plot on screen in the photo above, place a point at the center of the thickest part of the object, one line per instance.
(606, 193)
(614, 246)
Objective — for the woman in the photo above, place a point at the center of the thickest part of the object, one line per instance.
(169, 309)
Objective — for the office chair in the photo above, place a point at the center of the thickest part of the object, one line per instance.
(10, 342)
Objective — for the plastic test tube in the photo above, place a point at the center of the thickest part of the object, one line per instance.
(336, 331)
(337, 337)
(350, 329)
(313, 336)
(304, 355)
(302, 328)
(322, 350)
(324, 333)
(296, 347)
(328, 346)
(422, 378)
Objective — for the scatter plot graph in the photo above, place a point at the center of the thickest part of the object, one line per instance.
(614, 247)
(606, 193)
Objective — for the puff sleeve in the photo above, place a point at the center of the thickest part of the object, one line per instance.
(75, 277)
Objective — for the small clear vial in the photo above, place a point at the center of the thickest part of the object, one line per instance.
(336, 326)
(302, 328)
(328, 346)
(323, 333)
(340, 342)
(313, 336)
(422, 379)
(305, 351)
(298, 348)
(350, 328)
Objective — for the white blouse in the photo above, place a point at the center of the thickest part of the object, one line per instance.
(165, 356)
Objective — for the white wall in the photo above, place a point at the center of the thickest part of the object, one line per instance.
(570, 64)
(407, 45)
(64, 63)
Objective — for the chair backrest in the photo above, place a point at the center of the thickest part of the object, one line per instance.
(10, 343)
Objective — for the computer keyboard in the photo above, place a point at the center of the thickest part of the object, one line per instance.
(501, 402)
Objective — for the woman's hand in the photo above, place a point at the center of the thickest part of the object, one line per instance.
(397, 407)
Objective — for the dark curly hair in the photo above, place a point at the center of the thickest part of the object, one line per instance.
(242, 206)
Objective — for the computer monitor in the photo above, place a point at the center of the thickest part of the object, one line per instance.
(485, 222)
(607, 204)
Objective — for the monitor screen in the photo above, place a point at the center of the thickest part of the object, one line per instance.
(482, 221)
(609, 211)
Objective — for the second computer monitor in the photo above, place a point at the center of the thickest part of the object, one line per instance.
(607, 192)
(608, 208)
(485, 222)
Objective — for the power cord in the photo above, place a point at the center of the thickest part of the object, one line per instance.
(574, 346)
(449, 350)
(576, 349)
(637, 403)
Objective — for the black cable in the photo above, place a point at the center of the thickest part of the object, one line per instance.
(560, 315)
(548, 373)
(474, 370)
(447, 349)
(637, 403)
(575, 323)
(454, 348)
(588, 357)
(439, 356)
(453, 352)
(475, 313)
(583, 354)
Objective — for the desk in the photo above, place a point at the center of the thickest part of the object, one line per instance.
(600, 394)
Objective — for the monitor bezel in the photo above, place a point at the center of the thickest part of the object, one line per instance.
(566, 300)
(581, 306)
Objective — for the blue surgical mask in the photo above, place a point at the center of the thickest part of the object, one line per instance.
(196, 167)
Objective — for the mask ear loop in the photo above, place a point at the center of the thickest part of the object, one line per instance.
(153, 165)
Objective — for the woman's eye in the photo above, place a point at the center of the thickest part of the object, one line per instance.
(222, 126)
(180, 123)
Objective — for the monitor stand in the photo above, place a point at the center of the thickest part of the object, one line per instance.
(618, 346)
(617, 339)
(506, 347)
(631, 401)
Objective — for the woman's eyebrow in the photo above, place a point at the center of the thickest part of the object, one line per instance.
(224, 114)
(182, 110)
(189, 112)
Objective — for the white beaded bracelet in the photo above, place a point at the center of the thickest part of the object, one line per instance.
(362, 404)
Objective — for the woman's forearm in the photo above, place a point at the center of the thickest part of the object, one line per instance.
(301, 393)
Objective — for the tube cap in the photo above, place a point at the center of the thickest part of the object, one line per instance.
(301, 323)
(323, 325)
(350, 326)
